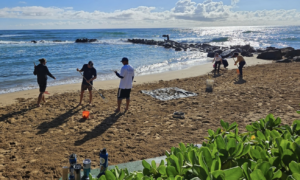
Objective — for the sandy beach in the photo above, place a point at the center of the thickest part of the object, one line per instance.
(10, 98)
(36, 142)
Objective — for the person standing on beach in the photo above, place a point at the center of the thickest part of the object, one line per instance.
(126, 75)
(239, 59)
(89, 74)
(218, 62)
(42, 71)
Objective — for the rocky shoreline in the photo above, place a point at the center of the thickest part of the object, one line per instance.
(287, 54)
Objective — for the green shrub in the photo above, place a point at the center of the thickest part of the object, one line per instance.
(266, 151)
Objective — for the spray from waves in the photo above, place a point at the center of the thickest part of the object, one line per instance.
(173, 64)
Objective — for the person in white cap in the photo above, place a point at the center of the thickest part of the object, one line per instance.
(126, 75)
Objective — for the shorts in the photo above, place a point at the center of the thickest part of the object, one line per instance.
(124, 93)
(85, 87)
(42, 87)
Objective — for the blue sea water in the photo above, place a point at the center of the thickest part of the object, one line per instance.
(17, 52)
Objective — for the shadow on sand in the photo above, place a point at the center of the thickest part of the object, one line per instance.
(45, 126)
(100, 129)
(240, 81)
(22, 111)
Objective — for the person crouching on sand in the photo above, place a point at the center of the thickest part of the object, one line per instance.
(239, 59)
(218, 62)
(126, 75)
(89, 74)
(42, 72)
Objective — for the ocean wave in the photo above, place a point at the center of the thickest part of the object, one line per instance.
(290, 39)
(10, 35)
(247, 32)
(37, 42)
(111, 41)
(220, 39)
(106, 41)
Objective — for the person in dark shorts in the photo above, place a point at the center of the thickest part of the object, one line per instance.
(42, 71)
(126, 75)
(90, 74)
(239, 59)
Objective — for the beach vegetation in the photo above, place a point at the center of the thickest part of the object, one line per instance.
(266, 150)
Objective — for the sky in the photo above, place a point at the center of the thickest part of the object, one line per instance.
(98, 14)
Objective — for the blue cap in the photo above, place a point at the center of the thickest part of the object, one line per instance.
(124, 59)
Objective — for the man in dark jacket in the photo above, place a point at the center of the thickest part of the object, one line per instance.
(42, 72)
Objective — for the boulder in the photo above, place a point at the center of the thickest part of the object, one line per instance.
(296, 59)
(211, 54)
(33, 41)
(286, 50)
(178, 49)
(284, 61)
(85, 40)
(247, 54)
(293, 53)
(227, 53)
(167, 45)
(270, 55)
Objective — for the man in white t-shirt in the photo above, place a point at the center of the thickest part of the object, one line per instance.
(126, 75)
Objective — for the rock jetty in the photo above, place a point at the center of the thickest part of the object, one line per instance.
(269, 53)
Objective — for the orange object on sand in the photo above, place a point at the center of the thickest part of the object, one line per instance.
(85, 114)
(238, 71)
(46, 92)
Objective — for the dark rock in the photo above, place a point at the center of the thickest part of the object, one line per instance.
(228, 52)
(284, 61)
(293, 53)
(271, 48)
(286, 50)
(85, 40)
(179, 49)
(33, 41)
(296, 59)
(211, 54)
(247, 54)
(270, 55)
(167, 45)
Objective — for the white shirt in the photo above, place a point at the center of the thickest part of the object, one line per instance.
(127, 72)
(219, 58)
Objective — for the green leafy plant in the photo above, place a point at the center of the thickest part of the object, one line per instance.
(267, 151)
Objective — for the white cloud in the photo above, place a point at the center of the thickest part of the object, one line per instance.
(184, 13)
(234, 2)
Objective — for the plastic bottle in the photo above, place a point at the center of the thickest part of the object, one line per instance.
(103, 161)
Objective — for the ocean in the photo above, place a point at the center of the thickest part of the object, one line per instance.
(18, 53)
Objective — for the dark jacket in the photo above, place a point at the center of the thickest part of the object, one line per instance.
(42, 71)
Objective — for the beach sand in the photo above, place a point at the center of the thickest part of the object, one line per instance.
(10, 98)
(36, 142)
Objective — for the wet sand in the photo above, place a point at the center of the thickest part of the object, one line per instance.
(36, 142)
